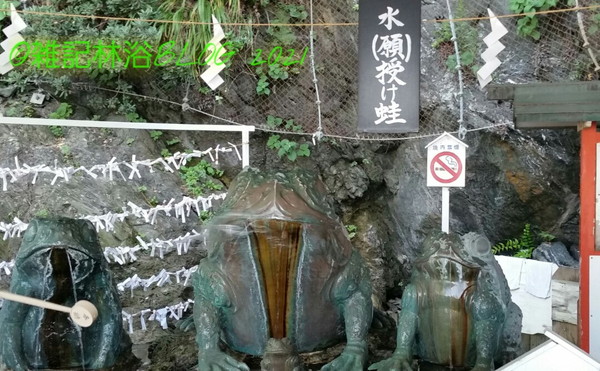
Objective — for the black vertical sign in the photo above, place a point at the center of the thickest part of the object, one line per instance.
(389, 66)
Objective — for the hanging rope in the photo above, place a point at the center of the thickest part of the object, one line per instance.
(88, 87)
(319, 133)
(462, 130)
(285, 131)
(586, 43)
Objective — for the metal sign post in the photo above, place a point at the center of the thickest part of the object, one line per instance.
(446, 209)
(446, 157)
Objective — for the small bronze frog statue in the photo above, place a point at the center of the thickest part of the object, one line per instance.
(280, 266)
(457, 308)
(60, 261)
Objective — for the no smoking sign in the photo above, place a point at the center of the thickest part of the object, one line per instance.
(446, 162)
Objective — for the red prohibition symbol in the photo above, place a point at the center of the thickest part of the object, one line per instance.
(448, 161)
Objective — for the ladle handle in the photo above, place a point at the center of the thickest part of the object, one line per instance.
(35, 302)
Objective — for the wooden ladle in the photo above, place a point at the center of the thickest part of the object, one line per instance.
(83, 313)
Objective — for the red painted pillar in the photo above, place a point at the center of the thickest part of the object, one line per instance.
(587, 194)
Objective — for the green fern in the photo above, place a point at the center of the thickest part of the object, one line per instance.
(527, 237)
(546, 237)
(509, 245)
(525, 254)
(522, 247)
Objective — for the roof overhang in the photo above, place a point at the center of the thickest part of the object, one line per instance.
(551, 105)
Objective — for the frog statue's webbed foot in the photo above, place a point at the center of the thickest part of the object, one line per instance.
(353, 358)
(394, 363)
(352, 292)
(217, 360)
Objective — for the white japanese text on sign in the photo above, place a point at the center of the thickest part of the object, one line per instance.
(389, 66)
(392, 49)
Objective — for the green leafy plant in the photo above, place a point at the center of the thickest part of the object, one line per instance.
(277, 72)
(467, 40)
(155, 134)
(508, 245)
(28, 111)
(205, 90)
(65, 150)
(57, 131)
(107, 131)
(20, 109)
(194, 37)
(43, 213)
(172, 142)
(134, 117)
(546, 237)
(200, 178)
(206, 215)
(290, 149)
(520, 247)
(5, 6)
(274, 122)
(528, 25)
(165, 152)
(129, 141)
(594, 24)
(285, 14)
(274, 72)
(262, 86)
(64, 111)
(285, 147)
(152, 201)
(351, 229)
(67, 154)
(527, 239)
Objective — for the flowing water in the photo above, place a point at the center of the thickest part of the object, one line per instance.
(38, 345)
(53, 349)
(81, 349)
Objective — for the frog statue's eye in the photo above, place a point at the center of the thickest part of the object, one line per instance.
(480, 246)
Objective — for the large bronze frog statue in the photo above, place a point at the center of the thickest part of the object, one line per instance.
(60, 260)
(457, 308)
(280, 270)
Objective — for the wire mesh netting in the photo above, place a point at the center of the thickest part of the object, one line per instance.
(542, 48)
(272, 79)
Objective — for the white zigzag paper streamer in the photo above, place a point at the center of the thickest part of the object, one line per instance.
(159, 315)
(181, 276)
(127, 254)
(13, 38)
(494, 47)
(211, 75)
(107, 221)
(6, 268)
(110, 168)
